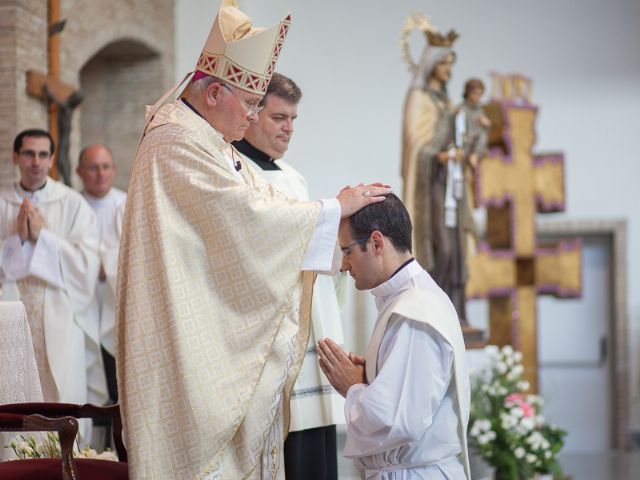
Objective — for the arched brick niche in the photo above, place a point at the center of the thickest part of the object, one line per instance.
(117, 82)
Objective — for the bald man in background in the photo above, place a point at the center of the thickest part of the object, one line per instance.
(97, 170)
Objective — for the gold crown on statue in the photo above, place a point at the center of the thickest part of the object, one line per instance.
(436, 39)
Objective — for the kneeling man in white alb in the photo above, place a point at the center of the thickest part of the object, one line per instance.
(407, 401)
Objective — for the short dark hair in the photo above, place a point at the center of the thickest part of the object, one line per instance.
(285, 88)
(389, 217)
(33, 132)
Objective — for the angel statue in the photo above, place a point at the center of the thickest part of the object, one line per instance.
(433, 165)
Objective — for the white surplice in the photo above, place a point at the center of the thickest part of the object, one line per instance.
(109, 211)
(106, 207)
(58, 272)
(408, 422)
(314, 402)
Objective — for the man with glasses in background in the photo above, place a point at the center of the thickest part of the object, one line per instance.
(49, 260)
(215, 275)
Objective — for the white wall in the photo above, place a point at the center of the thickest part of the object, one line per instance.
(583, 56)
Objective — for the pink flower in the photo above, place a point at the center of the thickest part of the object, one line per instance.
(517, 399)
(527, 409)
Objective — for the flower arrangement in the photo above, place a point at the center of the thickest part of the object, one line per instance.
(506, 425)
(49, 446)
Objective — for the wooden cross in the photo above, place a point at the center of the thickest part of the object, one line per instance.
(48, 87)
(511, 268)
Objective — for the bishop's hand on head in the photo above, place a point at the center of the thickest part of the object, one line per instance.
(353, 199)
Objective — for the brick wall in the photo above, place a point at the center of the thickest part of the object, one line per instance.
(22, 46)
(7, 86)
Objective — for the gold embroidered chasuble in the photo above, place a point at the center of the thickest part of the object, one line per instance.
(209, 341)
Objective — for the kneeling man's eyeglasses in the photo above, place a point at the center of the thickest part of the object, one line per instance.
(346, 251)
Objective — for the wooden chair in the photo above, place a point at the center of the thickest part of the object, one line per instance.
(61, 417)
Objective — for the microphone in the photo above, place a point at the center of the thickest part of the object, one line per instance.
(236, 162)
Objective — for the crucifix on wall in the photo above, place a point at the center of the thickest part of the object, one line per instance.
(61, 98)
(511, 269)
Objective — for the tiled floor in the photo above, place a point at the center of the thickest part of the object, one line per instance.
(579, 466)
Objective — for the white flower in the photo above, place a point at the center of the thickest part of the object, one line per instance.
(475, 429)
(480, 427)
(517, 412)
(507, 421)
(491, 351)
(491, 435)
(107, 455)
(517, 356)
(527, 423)
(501, 367)
(49, 446)
(523, 385)
(547, 454)
(87, 453)
(512, 376)
(517, 370)
(536, 440)
(519, 452)
(483, 440)
(507, 350)
(531, 458)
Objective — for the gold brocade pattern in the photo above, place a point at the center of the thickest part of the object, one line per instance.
(32, 293)
(208, 278)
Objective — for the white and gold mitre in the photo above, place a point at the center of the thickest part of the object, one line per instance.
(239, 54)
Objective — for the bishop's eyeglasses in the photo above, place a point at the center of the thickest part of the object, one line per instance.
(251, 109)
